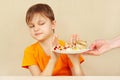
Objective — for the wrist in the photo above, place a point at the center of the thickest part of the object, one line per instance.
(75, 60)
(53, 60)
(112, 44)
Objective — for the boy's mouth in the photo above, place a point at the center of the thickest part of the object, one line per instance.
(36, 34)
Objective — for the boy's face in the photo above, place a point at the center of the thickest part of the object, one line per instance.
(41, 27)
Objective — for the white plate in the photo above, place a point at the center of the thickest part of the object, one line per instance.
(71, 51)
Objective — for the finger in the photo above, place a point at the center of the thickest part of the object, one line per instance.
(94, 53)
(93, 46)
(54, 40)
(78, 39)
(102, 49)
(75, 36)
(71, 38)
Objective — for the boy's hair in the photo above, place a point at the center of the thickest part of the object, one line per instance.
(43, 9)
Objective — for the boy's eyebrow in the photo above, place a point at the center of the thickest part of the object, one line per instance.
(39, 21)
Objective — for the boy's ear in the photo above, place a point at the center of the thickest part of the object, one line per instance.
(53, 24)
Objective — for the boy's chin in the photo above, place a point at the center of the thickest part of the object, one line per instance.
(40, 39)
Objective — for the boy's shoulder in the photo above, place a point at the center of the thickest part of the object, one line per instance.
(32, 46)
(36, 44)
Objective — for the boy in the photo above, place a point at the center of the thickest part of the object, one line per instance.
(38, 57)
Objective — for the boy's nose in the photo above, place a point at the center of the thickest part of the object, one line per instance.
(36, 28)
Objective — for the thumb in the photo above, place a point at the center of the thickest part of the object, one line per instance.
(91, 52)
(54, 40)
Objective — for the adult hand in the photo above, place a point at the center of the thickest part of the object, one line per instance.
(99, 47)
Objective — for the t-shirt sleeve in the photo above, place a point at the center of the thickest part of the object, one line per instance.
(28, 58)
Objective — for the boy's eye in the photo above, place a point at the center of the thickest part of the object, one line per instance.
(31, 26)
(41, 23)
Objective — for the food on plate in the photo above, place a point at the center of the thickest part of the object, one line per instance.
(79, 45)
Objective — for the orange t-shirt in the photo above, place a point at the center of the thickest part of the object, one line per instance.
(35, 55)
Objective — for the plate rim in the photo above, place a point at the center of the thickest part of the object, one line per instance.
(71, 52)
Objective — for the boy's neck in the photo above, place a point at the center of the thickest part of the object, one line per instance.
(46, 44)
